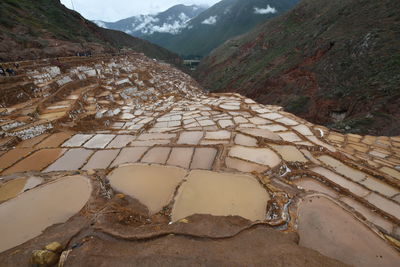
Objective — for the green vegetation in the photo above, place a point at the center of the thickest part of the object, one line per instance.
(298, 104)
(341, 54)
(234, 17)
(39, 24)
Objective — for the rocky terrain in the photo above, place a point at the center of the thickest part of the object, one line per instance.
(334, 63)
(121, 160)
(45, 28)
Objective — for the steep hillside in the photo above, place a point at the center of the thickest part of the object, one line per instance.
(211, 28)
(45, 28)
(332, 62)
(170, 21)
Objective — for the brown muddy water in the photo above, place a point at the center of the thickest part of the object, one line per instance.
(14, 187)
(27, 215)
(152, 185)
(334, 232)
(220, 194)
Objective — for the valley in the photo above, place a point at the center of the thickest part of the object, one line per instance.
(195, 31)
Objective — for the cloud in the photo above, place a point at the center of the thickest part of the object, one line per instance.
(174, 28)
(100, 23)
(267, 10)
(148, 24)
(210, 21)
(146, 21)
(109, 11)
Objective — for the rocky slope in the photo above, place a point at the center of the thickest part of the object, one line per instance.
(45, 28)
(332, 62)
(226, 19)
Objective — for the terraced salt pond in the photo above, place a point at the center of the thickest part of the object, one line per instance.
(200, 192)
(28, 214)
(153, 186)
(334, 232)
(213, 151)
(221, 194)
(16, 186)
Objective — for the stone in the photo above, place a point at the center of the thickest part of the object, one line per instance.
(54, 247)
(120, 196)
(44, 258)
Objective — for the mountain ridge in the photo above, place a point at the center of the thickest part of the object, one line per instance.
(215, 25)
(333, 63)
(171, 20)
(46, 28)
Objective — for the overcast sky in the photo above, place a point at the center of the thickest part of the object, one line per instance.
(113, 10)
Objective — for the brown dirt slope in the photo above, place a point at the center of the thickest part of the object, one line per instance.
(335, 63)
(46, 28)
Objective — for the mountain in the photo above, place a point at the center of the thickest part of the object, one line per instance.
(335, 63)
(170, 21)
(46, 28)
(210, 28)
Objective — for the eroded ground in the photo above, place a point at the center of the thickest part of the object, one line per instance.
(125, 160)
